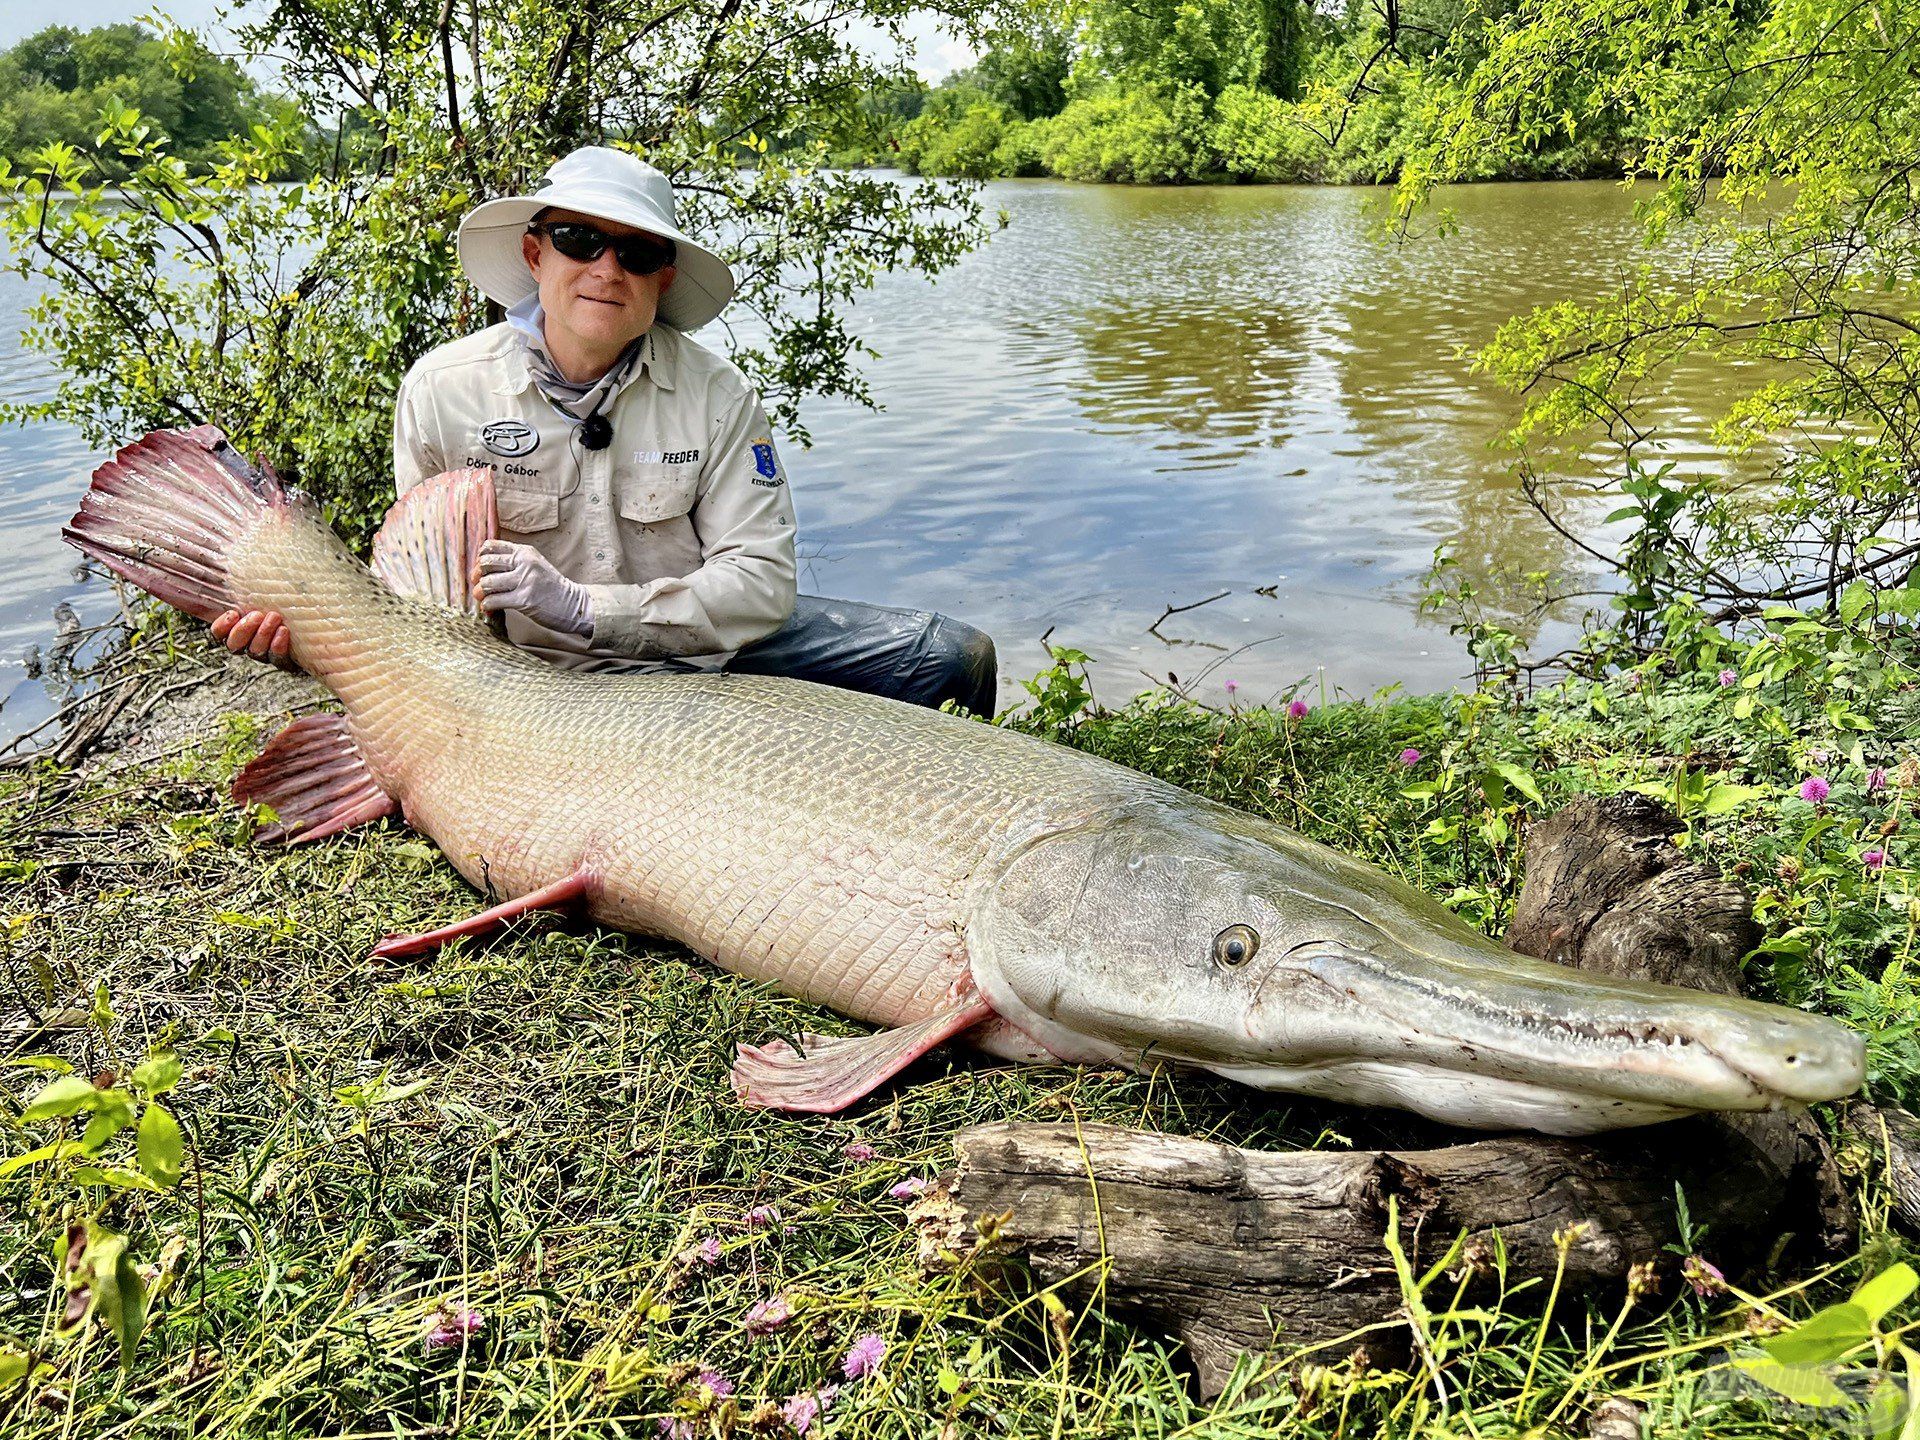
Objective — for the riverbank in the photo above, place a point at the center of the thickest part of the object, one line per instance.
(506, 1189)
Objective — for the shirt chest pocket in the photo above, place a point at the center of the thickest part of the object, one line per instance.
(525, 512)
(650, 494)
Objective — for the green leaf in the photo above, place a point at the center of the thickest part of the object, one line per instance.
(102, 1015)
(111, 1175)
(161, 1150)
(1724, 798)
(14, 1365)
(68, 1095)
(40, 1062)
(106, 1123)
(55, 1151)
(125, 1307)
(1883, 1292)
(1823, 1337)
(1519, 779)
(158, 1073)
(1854, 599)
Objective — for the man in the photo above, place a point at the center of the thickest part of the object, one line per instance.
(644, 513)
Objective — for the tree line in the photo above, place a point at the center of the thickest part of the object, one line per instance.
(1159, 91)
(57, 85)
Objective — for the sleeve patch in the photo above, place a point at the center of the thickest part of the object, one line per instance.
(766, 468)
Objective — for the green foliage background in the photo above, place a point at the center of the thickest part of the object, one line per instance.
(55, 84)
(184, 289)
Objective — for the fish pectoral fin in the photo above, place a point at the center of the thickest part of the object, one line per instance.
(830, 1072)
(548, 897)
(316, 780)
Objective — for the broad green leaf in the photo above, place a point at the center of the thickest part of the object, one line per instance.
(1883, 1292)
(1854, 599)
(162, 1152)
(158, 1073)
(1722, 799)
(105, 1123)
(68, 1095)
(1519, 779)
(14, 1365)
(1823, 1337)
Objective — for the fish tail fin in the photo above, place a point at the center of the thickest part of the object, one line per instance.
(432, 536)
(167, 511)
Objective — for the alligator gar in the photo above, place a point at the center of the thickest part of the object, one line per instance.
(929, 874)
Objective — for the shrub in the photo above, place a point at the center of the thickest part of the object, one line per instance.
(1258, 136)
(1141, 137)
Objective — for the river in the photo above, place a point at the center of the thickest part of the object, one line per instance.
(1129, 400)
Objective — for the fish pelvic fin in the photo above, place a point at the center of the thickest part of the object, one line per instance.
(567, 890)
(315, 779)
(827, 1073)
(167, 511)
(430, 541)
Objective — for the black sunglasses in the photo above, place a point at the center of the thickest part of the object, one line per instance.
(637, 254)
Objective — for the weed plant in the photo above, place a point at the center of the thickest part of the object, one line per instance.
(505, 1190)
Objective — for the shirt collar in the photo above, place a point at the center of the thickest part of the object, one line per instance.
(655, 359)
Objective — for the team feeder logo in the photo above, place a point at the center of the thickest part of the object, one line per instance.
(510, 438)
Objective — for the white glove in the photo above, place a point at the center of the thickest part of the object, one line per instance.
(518, 577)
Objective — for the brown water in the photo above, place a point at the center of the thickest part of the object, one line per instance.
(1128, 400)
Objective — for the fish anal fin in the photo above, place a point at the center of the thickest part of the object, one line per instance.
(432, 536)
(564, 891)
(316, 780)
(830, 1072)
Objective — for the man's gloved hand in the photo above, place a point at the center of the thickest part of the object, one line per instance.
(518, 577)
(262, 634)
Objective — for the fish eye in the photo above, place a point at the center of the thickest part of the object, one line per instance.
(1235, 945)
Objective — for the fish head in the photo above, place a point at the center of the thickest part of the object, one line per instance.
(1201, 936)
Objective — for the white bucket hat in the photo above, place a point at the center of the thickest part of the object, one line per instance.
(610, 185)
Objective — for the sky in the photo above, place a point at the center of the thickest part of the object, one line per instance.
(935, 54)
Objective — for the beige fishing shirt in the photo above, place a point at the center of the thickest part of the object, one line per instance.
(681, 530)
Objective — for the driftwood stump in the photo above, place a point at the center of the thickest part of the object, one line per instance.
(1235, 1250)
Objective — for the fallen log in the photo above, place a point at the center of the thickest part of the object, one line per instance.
(1236, 1250)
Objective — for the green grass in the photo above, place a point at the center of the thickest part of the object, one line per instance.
(539, 1129)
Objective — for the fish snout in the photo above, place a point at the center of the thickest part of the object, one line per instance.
(1793, 1055)
(1552, 1027)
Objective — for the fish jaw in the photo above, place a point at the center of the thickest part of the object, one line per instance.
(1100, 940)
(1531, 1043)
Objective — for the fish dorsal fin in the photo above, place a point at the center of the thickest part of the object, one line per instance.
(432, 536)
